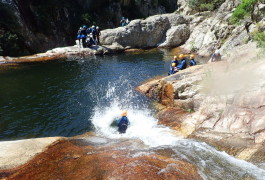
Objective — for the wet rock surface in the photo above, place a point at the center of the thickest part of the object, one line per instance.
(225, 103)
(98, 158)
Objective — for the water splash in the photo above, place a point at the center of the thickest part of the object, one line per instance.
(121, 96)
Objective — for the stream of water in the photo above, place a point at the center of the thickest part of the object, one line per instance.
(77, 95)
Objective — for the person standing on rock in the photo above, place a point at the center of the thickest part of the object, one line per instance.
(94, 34)
(123, 123)
(83, 36)
(192, 61)
(98, 33)
(123, 22)
(79, 37)
(183, 63)
(216, 56)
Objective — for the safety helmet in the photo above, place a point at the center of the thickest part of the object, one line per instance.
(97, 27)
(173, 64)
(192, 56)
(124, 113)
(93, 26)
(181, 56)
(175, 57)
(84, 26)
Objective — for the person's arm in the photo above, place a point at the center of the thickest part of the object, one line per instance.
(180, 66)
(119, 120)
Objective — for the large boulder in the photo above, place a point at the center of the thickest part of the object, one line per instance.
(159, 30)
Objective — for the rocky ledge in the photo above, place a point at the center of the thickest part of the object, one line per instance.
(167, 30)
(221, 103)
(94, 157)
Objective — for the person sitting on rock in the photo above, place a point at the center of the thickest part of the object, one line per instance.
(123, 22)
(173, 61)
(123, 123)
(173, 69)
(192, 61)
(216, 56)
(183, 63)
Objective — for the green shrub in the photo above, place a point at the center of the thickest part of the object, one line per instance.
(205, 5)
(245, 9)
(260, 39)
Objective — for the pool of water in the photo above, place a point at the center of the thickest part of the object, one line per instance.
(58, 98)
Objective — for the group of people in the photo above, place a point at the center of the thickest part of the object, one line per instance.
(124, 21)
(175, 65)
(88, 36)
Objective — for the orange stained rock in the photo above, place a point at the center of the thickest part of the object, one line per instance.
(68, 160)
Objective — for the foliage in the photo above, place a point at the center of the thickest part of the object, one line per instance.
(205, 5)
(86, 19)
(245, 9)
(260, 39)
(11, 44)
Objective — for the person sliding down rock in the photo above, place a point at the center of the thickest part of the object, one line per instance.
(183, 63)
(123, 123)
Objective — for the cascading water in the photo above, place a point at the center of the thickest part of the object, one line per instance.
(120, 95)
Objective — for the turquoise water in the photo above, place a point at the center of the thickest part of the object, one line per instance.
(57, 98)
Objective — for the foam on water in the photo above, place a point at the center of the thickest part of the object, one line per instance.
(121, 96)
(212, 164)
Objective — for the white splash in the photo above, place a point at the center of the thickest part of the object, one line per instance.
(143, 125)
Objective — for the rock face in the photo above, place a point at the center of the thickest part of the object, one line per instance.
(226, 104)
(15, 153)
(29, 27)
(212, 30)
(81, 159)
(159, 30)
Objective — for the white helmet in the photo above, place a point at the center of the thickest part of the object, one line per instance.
(97, 27)
(93, 26)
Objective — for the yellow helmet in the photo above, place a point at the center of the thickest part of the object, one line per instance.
(192, 56)
(181, 56)
(124, 113)
(175, 57)
(173, 64)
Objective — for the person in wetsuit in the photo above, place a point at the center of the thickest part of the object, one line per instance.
(123, 123)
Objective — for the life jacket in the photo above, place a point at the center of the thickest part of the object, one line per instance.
(94, 32)
(88, 30)
(192, 62)
(182, 65)
(123, 121)
(83, 32)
